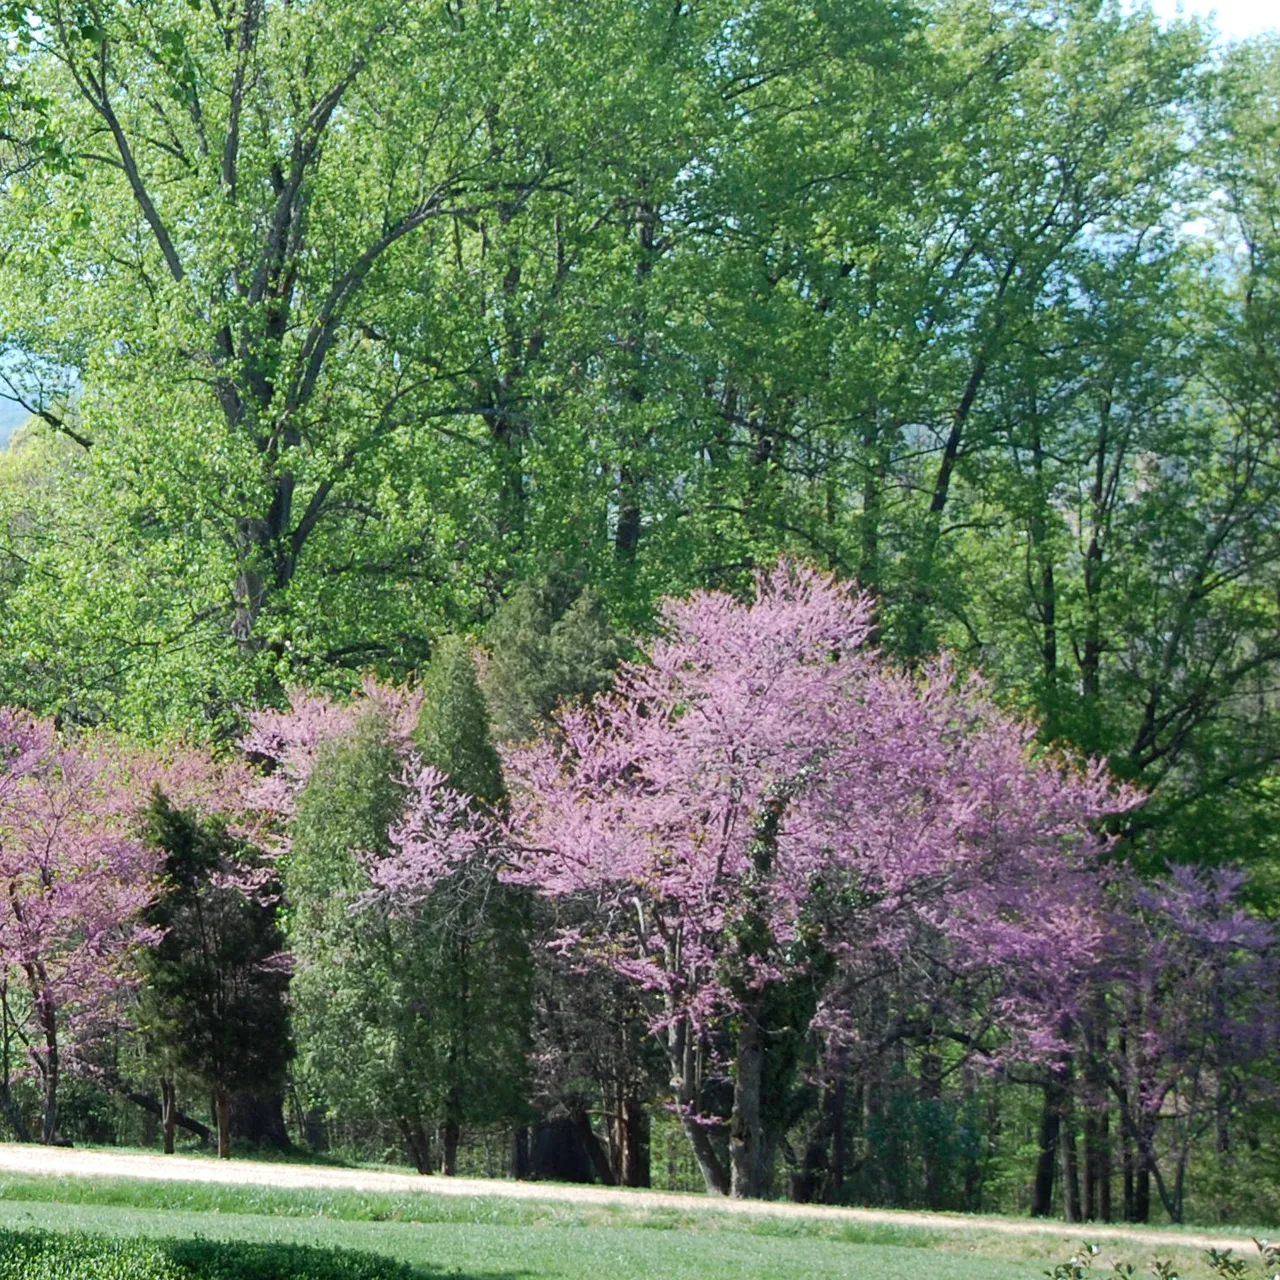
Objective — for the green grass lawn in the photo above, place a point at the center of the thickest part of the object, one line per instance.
(488, 1238)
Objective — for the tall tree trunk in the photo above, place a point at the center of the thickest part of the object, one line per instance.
(1222, 1113)
(592, 1145)
(222, 1117)
(1129, 1182)
(1101, 497)
(52, 1072)
(1091, 1213)
(683, 1054)
(930, 1090)
(1046, 595)
(168, 1113)
(747, 1153)
(450, 1132)
(521, 1165)
(417, 1143)
(1097, 1124)
(1142, 1191)
(633, 1144)
(7, 1101)
(629, 528)
(1070, 1166)
(13, 1113)
(1104, 1166)
(1047, 1160)
(837, 1094)
(917, 639)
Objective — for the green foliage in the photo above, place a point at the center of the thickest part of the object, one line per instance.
(214, 1002)
(546, 643)
(353, 989)
(452, 733)
(406, 1017)
(1221, 1262)
(471, 929)
(41, 1255)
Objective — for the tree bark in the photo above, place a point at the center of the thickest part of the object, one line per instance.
(416, 1143)
(11, 1110)
(748, 1166)
(683, 1054)
(633, 1144)
(1047, 1161)
(1142, 1192)
(222, 1116)
(836, 1098)
(1070, 1167)
(593, 1146)
(521, 1165)
(1128, 1181)
(168, 1116)
(13, 1114)
(450, 1132)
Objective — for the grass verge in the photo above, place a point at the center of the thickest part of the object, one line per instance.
(496, 1238)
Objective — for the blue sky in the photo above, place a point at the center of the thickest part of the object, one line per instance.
(1235, 19)
(10, 416)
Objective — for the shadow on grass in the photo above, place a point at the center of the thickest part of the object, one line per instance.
(76, 1255)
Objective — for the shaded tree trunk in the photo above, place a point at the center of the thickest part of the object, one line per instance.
(258, 1118)
(633, 1144)
(1142, 1193)
(13, 1114)
(416, 1143)
(746, 1131)
(593, 1146)
(682, 1051)
(1047, 1160)
(1097, 1165)
(9, 1103)
(1070, 1167)
(836, 1107)
(930, 1090)
(222, 1118)
(168, 1113)
(521, 1165)
(450, 1132)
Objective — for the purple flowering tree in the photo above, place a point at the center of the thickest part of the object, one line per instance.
(73, 878)
(1191, 982)
(764, 791)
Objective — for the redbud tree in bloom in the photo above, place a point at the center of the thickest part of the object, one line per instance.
(765, 799)
(1191, 981)
(74, 876)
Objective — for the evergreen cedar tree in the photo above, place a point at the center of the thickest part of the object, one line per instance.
(215, 987)
(433, 972)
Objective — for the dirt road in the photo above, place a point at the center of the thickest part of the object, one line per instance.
(24, 1159)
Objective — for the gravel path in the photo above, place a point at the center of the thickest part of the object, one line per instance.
(25, 1159)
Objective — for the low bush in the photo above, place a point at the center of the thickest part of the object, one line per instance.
(1222, 1263)
(49, 1255)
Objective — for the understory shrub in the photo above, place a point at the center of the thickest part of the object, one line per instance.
(48, 1255)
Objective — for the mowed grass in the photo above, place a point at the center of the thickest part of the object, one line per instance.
(493, 1238)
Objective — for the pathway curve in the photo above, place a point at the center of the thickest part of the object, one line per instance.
(30, 1159)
